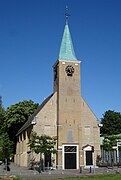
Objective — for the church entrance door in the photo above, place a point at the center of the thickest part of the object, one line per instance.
(48, 160)
(70, 160)
(89, 160)
(70, 157)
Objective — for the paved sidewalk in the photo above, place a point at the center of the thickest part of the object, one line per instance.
(24, 172)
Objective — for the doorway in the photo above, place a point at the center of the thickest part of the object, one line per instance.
(89, 160)
(48, 162)
(70, 160)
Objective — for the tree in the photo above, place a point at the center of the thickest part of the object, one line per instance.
(5, 149)
(2, 114)
(46, 143)
(16, 115)
(42, 144)
(111, 123)
(109, 144)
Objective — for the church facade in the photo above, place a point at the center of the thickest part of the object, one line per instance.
(63, 114)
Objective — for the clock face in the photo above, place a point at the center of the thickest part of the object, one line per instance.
(69, 70)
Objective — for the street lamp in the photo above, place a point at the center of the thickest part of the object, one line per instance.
(118, 145)
(40, 167)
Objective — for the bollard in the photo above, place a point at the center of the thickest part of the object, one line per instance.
(80, 169)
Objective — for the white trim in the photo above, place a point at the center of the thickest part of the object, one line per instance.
(63, 157)
(77, 158)
(77, 155)
(88, 148)
(62, 60)
(60, 147)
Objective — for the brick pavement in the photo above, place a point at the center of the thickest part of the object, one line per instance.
(24, 172)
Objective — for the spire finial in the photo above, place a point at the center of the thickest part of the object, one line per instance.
(66, 14)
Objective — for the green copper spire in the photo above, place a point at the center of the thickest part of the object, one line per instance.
(66, 48)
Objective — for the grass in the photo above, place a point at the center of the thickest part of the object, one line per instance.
(97, 177)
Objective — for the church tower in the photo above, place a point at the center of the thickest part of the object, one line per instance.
(73, 131)
(67, 86)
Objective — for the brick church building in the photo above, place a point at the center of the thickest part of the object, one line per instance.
(63, 114)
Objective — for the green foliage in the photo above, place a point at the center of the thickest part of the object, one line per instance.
(111, 123)
(17, 115)
(2, 114)
(110, 141)
(5, 146)
(5, 143)
(42, 144)
(95, 177)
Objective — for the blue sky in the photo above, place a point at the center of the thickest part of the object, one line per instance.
(30, 37)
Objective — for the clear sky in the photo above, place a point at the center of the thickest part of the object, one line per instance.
(30, 37)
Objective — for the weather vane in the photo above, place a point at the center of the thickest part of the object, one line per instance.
(67, 14)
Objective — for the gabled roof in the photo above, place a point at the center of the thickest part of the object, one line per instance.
(29, 122)
(87, 145)
(66, 48)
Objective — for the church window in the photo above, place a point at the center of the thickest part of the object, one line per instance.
(70, 148)
(21, 137)
(24, 135)
(87, 131)
(70, 135)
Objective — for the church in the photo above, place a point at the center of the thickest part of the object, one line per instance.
(63, 114)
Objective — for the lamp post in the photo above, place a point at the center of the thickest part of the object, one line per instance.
(40, 166)
(118, 145)
(114, 149)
